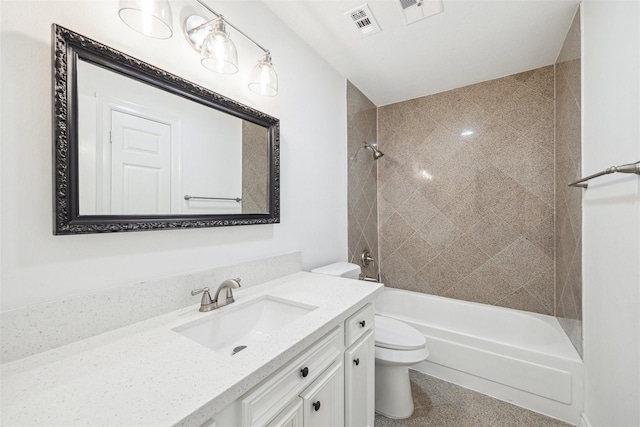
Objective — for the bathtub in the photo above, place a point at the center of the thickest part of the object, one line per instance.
(516, 356)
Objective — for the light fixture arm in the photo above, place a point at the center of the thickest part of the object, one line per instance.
(208, 23)
(206, 36)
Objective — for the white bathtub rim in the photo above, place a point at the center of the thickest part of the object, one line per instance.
(562, 347)
(541, 355)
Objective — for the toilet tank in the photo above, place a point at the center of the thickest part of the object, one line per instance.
(339, 269)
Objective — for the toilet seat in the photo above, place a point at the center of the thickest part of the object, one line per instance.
(395, 335)
(398, 344)
(388, 357)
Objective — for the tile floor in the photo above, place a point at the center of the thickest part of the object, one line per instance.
(442, 404)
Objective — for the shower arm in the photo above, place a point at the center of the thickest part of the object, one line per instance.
(630, 168)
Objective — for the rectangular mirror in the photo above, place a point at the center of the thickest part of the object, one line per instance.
(137, 148)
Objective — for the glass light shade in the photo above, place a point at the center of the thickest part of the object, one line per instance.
(149, 17)
(219, 54)
(264, 80)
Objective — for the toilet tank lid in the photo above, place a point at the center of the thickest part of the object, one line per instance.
(396, 335)
(339, 269)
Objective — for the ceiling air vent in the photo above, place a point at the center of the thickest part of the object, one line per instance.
(407, 3)
(416, 10)
(363, 21)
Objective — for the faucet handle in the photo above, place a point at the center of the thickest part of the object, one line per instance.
(199, 291)
(206, 304)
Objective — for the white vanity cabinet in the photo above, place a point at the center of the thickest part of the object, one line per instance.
(359, 368)
(323, 387)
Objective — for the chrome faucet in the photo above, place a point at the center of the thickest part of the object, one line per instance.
(207, 304)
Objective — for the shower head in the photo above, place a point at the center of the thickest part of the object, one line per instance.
(374, 147)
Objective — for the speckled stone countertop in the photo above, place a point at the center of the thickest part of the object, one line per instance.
(147, 374)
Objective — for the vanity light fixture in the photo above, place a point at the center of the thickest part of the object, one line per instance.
(149, 17)
(219, 54)
(210, 38)
(264, 80)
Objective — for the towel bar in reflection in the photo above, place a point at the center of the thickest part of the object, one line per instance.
(630, 168)
(236, 199)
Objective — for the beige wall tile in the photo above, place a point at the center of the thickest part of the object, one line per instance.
(470, 198)
(362, 190)
(472, 217)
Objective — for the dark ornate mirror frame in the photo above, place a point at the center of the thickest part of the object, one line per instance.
(68, 48)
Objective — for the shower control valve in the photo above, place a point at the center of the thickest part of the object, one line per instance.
(367, 259)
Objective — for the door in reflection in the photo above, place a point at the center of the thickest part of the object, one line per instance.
(140, 165)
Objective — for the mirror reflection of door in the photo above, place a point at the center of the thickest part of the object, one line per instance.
(140, 165)
(141, 150)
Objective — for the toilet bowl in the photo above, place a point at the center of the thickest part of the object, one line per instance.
(397, 347)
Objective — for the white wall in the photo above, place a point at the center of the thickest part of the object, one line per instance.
(37, 266)
(611, 212)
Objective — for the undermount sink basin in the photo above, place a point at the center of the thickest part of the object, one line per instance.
(237, 327)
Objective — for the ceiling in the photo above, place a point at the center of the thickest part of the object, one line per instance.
(470, 42)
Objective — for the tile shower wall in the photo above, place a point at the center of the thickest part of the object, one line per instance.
(255, 165)
(466, 192)
(569, 199)
(362, 178)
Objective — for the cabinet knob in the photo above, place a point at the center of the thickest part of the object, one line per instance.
(356, 361)
(304, 372)
(362, 323)
(316, 405)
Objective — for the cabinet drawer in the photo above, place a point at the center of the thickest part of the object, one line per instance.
(358, 324)
(262, 404)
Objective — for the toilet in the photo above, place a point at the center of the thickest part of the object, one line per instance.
(397, 347)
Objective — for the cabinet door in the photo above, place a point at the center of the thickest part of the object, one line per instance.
(291, 416)
(359, 373)
(323, 401)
